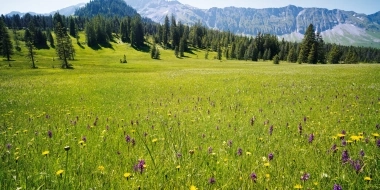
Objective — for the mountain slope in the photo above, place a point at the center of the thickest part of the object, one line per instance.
(290, 22)
(67, 11)
(106, 7)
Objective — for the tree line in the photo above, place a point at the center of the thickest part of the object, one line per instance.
(140, 32)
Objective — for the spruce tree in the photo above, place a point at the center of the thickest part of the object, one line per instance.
(6, 42)
(334, 55)
(64, 47)
(307, 44)
(166, 32)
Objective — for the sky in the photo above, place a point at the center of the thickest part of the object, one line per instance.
(47, 6)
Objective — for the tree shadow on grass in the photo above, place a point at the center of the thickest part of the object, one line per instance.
(145, 48)
(80, 45)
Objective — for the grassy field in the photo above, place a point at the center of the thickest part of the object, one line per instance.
(186, 123)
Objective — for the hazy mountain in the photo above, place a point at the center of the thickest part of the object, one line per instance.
(290, 22)
(65, 11)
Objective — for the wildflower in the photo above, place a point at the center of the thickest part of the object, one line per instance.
(341, 136)
(378, 143)
(267, 176)
(271, 130)
(355, 138)
(270, 156)
(305, 176)
(266, 164)
(45, 153)
(253, 176)
(50, 134)
(230, 143)
(101, 168)
(84, 139)
(193, 187)
(178, 167)
(154, 140)
(212, 180)
(343, 132)
(59, 172)
(9, 146)
(345, 156)
(300, 129)
(337, 187)
(375, 135)
(361, 153)
(210, 150)
(81, 142)
(298, 186)
(139, 167)
(179, 155)
(67, 148)
(357, 165)
(367, 179)
(248, 153)
(133, 142)
(311, 138)
(127, 175)
(344, 143)
(333, 148)
(239, 152)
(191, 152)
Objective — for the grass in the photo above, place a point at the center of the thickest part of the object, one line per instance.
(188, 119)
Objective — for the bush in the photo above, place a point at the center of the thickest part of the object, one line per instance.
(276, 59)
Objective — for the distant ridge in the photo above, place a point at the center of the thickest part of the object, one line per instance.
(290, 22)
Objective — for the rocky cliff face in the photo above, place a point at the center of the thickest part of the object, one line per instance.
(338, 26)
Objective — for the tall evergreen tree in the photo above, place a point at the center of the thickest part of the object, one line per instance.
(321, 52)
(166, 32)
(307, 44)
(137, 32)
(6, 45)
(72, 28)
(292, 55)
(30, 47)
(334, 55)
(64, 47)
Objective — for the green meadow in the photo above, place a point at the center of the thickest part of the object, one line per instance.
(186, 123)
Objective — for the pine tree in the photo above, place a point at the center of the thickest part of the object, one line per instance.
(219, 52)
(276, 59)
(334, 55)
(307, 44)
(312, 58)
(321, 52)
(292, 55)
(182, 44)
(30, 46)
(72, 28)
(166, 32)
(64, 47)
(6, 45)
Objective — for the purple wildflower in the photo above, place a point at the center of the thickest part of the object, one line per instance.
(211, 180)
(253, 176)
(270, 130)
(128, 138)
(378, 143)
(345, 156)
(133, 142)
(343, 132)
(337, 187)
(179, 155)
(333, 148)
(300, 129)
(84, 139)
(304, 119)
(9, 146)
(357, 165)
(311, 138)
(305, 176)
(270, 156)
(230, 143)
(139, 167)
(344, 143)
(50, 134)
(239, 151)
(210, 150)
(361, 153)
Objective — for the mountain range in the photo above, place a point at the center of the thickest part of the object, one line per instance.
(290, 22)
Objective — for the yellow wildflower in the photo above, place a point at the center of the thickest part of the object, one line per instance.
(298, 186)
(193, 187)
(59, 172)
(127, 175)
(367, 179)
(45, 152)
(101, 168)
(266, 164)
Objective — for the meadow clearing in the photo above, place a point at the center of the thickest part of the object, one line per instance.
(187, 123)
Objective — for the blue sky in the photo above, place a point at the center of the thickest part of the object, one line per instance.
(360, 6)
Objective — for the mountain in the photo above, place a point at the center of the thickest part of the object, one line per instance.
(65, 11)
(290, 22)
(106, 7)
